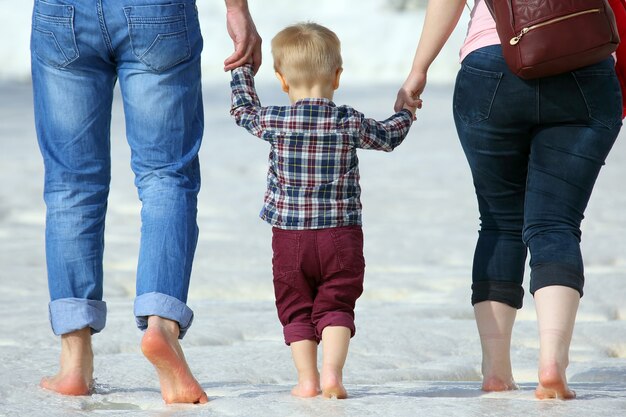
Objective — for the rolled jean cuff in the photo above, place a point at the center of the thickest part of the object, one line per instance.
(336, 318)
(165, 306)
(71, 314)
(509, 293)
(549, 274)
(295, 332)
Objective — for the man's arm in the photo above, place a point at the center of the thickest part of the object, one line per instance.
(244, 35)
(385, 135)
(246, 106)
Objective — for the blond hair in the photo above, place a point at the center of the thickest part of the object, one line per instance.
(306, 53)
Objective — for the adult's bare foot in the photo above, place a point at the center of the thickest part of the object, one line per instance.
(75, 377)
(494, 384)
(68, 383)
(553, 384)
(556, 313)
(161, 347)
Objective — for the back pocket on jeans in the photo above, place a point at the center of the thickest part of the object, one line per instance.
(474, 93)
(158, 34)
(348, 241)
(53, 39)
(602, 94)
(286, 251)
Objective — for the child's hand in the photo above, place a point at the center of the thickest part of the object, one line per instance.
(413, 110)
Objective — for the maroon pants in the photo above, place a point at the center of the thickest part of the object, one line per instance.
(318, 276)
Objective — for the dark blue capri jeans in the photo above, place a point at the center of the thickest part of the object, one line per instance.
(535, 148)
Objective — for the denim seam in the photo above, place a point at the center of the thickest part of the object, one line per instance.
(338, 249)
(485, 51)
(103, 28)
(62, 20)
(317, 253)
(538, 101)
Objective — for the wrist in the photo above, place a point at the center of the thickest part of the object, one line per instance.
(419, 69)
(237, 6)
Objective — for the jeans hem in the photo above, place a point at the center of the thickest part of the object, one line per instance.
(165, 306)
(296, 332)
(336, 319)
(509, 293)
(70, 314)
(549, 274)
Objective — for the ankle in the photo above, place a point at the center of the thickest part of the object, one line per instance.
(170, 327)
(308, 375)
(331, 373)
(76, 350)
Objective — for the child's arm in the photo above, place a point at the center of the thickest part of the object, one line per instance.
(385, 135)
(246, 107)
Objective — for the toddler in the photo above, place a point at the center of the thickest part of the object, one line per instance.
(313, 197)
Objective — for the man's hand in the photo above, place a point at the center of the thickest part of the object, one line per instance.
(244, 35)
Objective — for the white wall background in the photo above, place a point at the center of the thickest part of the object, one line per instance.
(378, 36)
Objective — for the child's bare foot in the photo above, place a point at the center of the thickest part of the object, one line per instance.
(160, 345)
(306, 389)
(335, 341)
(332, 385)
(76, 374)
(304, 353)
(553, 384)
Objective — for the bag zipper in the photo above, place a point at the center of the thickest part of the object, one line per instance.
(516, 39)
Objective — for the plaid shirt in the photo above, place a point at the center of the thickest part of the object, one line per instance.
(313, 177)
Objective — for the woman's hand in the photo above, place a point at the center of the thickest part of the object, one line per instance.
(410, 92)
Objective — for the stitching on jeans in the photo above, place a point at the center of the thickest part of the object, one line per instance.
(317, 253)
(103, 28)
(587, 104)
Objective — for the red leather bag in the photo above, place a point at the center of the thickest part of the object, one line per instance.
(547, 37)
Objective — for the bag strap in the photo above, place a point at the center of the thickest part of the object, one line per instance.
(489, 4)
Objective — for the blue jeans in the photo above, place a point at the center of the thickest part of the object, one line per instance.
(535, 149)
(79, 49)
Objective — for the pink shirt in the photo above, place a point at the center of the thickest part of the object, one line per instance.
(481, 30)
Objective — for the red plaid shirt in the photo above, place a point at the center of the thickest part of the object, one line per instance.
(313, 177)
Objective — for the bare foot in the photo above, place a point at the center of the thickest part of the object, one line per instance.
(497, 373)
(494, 384)
(553, 384)
(332, 385)
(76, 374)
(306, 389)
(304, 353)
(68, 383)
(161, 347)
